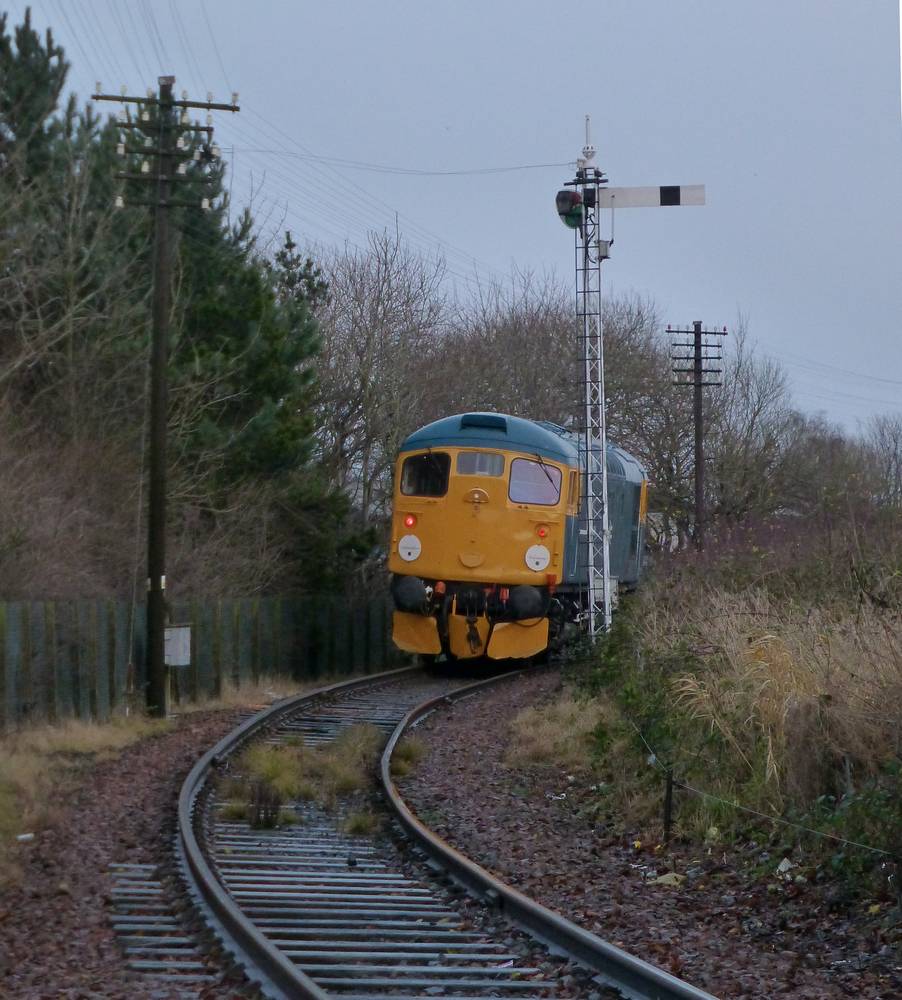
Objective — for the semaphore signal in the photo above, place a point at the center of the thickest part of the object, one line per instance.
(579, 206)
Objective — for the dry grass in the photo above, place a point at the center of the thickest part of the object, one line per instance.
(795, 694)
(361, 823)
(43, 765)
(560, 733)
(279, 768)
(258, 694)
(407, 754)
(267, 776)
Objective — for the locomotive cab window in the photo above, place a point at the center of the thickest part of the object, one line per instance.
(534, 482)
(425, 475)
(480, 463)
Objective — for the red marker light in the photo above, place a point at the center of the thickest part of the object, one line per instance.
(410, 520)
(542, 531)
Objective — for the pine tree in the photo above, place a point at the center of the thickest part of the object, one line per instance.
(32, 77)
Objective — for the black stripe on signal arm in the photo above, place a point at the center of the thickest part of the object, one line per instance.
(670, 195)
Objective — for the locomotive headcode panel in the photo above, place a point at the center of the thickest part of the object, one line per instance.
(485, 535)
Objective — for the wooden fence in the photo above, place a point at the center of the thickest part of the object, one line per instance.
(85, 659)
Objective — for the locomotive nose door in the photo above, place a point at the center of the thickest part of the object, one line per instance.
(477, 498)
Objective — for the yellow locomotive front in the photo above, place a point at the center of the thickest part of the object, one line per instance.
(481, 508)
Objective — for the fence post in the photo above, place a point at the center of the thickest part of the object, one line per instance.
(5, 716)
(668, 804)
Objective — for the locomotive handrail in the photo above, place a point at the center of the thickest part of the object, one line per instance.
(635, 978)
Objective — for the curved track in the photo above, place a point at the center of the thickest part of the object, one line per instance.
(309, 911)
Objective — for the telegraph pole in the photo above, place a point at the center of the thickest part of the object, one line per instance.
(165, 134)
(580, 208)
(705, 350)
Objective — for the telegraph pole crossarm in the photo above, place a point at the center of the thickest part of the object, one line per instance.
(701, 345)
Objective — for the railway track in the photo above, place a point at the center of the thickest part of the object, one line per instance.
(312, 911)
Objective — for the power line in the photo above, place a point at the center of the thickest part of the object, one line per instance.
(108, 46)
(815, 366)
(156, 37)
(148, 74)
(185, 44)
(322, 196)
(89, 64)
(383, 206)
(113, 7)
(225, 75)
(411, 171)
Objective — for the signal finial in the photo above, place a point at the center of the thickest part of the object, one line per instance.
(588, 150)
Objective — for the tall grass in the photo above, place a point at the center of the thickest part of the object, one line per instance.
(766, 672)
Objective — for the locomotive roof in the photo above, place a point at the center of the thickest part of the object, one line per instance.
(500, 430)
(494, 430)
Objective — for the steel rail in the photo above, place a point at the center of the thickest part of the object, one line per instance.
(635, 978)
(261, 959)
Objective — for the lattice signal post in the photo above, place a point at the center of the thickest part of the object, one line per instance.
(580, 205)
(164, 134)
(707, 361)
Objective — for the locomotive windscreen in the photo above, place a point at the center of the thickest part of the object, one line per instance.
(426, 475)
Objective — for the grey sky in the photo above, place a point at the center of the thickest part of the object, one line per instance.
(787, 111)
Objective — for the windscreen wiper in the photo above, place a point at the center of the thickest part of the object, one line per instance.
(545, 470)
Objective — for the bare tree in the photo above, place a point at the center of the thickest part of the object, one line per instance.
(883, 441)
(381, 327)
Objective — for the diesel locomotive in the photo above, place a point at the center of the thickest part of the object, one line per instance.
(488, 553)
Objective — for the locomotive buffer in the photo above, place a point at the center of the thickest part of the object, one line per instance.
(579, 205)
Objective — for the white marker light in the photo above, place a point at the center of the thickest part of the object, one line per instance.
(409, 548)
(537, 558)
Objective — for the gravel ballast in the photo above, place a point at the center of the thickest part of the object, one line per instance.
(731, 933)
(56, 937)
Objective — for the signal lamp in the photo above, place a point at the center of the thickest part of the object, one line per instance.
(569, 206)
(542, 531)
(410, 520)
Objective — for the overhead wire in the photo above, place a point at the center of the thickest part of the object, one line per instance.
(102, 35)
(151, 76)
(225, 75)
(314, 191)
(185, 45)
(156, 37)
(90, 64)
(458, 261)
(413, 171)
(113, 7)
(381, 206)
(822, 368)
